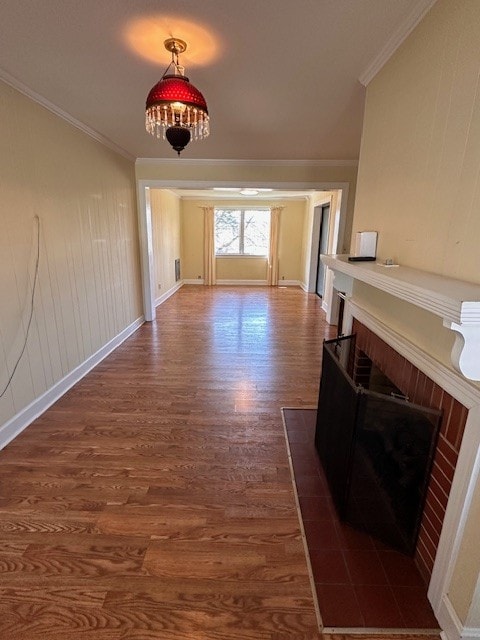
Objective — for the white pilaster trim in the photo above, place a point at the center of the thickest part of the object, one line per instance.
(459, 502)
(449, 621)
(10, 429)
(145, 236)
(452, 626)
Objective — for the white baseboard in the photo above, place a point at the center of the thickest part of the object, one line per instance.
(168, 293)
(304, 286)
(10, 429)
(252, 283)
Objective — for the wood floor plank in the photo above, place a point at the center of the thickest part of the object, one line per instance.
(154, 500)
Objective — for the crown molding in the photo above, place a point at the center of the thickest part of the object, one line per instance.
(53, 108)
(397, 38)
(250, 163)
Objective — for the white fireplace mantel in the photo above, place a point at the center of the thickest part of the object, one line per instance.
(456, 301)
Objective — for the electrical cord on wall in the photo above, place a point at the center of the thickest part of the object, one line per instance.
(32, 299)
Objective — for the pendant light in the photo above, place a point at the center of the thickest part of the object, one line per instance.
(175, 109)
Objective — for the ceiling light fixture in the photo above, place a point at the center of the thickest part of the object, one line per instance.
(175, 109)
(249, 192)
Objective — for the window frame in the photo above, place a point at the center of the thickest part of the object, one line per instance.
(242, 209)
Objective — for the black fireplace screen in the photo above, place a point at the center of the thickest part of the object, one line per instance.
(376, 450)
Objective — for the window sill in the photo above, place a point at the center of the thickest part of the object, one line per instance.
(241, 256)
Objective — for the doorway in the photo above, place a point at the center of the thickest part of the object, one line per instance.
(339, 209)
(324, 211)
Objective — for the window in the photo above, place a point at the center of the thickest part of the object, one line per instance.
(242, 232)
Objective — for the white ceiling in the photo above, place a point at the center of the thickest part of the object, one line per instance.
(281, 77)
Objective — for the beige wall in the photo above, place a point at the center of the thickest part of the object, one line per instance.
(192, 239)
(420, 161)
(229, 268)
(89, 282)
(254, 269)
(418, 183)
(165, 208)
(290, 245)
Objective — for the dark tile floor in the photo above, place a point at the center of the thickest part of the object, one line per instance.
(359, 581)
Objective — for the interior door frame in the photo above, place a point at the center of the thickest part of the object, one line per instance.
(145, 222)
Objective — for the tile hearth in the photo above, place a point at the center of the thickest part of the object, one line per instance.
(359, 581)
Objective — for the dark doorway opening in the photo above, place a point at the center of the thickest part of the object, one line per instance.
(322, 248)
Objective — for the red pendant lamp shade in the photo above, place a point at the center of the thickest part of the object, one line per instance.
(175, 109)
(176, 89)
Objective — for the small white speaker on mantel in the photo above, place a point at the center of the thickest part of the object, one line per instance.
(366, 244)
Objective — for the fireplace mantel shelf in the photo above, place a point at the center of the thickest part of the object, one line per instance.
(456, 301)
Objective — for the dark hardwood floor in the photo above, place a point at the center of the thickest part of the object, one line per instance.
(154, 501)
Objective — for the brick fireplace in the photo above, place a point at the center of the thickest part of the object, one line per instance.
(418, 364)
(420, 389)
